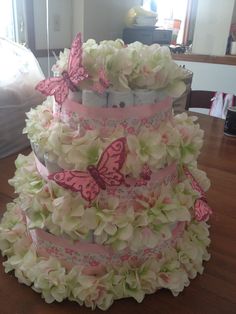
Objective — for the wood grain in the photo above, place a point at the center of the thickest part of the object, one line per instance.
(214, 292)
(227, 59)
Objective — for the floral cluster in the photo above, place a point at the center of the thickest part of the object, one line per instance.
(191, 137)
(179, 140)
(39, 120)
(171, 270)
(147, 220)
(133, 66)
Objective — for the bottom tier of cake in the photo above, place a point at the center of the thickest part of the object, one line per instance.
(171, 268)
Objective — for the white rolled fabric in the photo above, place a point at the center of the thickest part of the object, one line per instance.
(143, 97)
(51, 165)
(37, 152)
(93, 99)
(160, 95)
(118, 99)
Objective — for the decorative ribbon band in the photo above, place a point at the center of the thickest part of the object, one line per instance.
(93, 257)
(105, 120)
(165, 175)
(42, 170)
(139, 112)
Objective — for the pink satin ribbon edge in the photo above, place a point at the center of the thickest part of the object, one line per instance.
(158, 176)
(141, 111)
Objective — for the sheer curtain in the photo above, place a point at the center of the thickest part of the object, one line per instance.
(7, 29)
(13, 20)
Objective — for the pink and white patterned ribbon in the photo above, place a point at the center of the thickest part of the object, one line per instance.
(165, 175)
(93, 257)
(131, 118)
(132, 187)
(94, 112)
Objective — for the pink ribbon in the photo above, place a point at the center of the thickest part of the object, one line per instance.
(42, 170)
(93, 257)
(202, 210)
(166, 175)
(141, 111)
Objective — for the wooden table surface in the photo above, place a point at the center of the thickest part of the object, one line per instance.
(212, 292)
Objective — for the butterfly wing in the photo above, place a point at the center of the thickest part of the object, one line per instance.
(146, 173)
(77, 72)
(103, 79)
(195, 185)
(58, 86)
(54, 86)
(111, 162)
(78, 75)
(202, 210)
(77, 181)
(103, 82)
(97, 87)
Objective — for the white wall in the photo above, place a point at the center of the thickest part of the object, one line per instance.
(98, 19)
(212, 26)
(118, 12)
(60, 23)
(212, 77)
(103, 19)
(43, 62)
(77, 17)
(234, 13)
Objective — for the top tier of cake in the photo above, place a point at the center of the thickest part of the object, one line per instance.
(114, 66)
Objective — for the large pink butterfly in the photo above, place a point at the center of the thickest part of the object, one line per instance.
(202, 210)
(60, 86)
(106, 173)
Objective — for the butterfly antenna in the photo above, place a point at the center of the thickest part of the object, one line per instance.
(55, 56)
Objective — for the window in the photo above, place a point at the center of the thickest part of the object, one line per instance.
(7, 28)
(168, 11)
(12, 20)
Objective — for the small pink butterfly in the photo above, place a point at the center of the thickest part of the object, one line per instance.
(60, 86)
(195, 185)
(140, 182)
(202, 210)
(103, 82)
(145, 176)
(106, 173)
(146, 173)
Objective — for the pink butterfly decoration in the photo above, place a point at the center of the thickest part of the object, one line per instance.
(145, 176)
(202, 210)
(60, 86)
(195, 185)
(106, 173)
(103, 82)
(146, 173)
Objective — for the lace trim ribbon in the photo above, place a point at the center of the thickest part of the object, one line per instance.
(131, 118)
(92, 257)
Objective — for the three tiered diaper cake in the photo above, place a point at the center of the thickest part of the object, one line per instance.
(111, 202)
